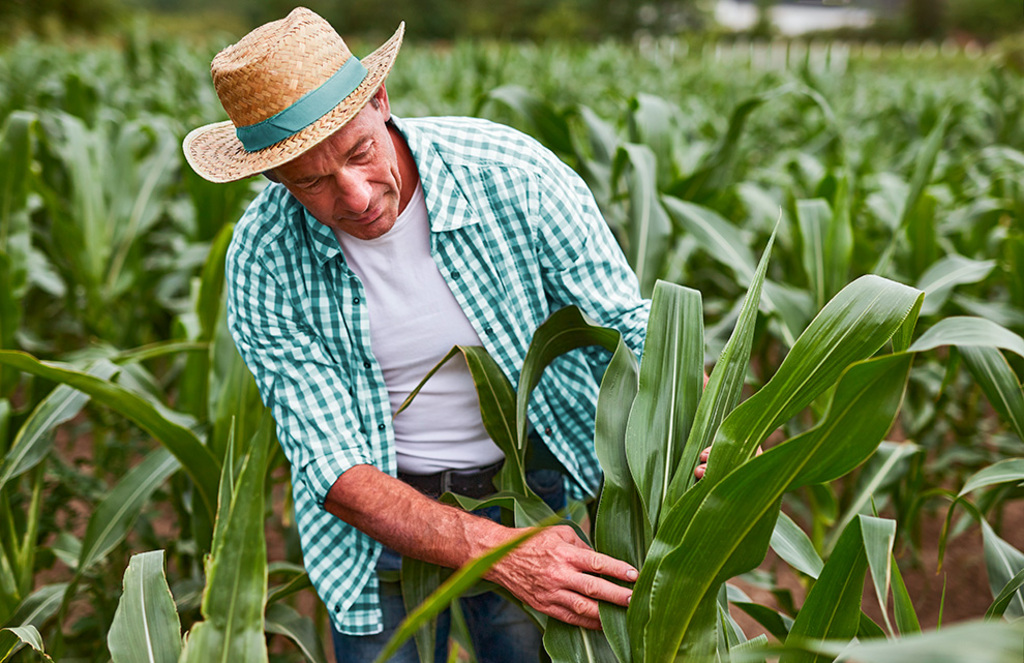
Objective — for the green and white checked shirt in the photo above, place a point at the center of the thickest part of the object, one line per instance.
(516, 235)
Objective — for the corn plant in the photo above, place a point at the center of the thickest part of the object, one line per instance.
(195, 456)
(689, 537)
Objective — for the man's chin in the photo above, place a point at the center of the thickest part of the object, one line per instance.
(369, 230)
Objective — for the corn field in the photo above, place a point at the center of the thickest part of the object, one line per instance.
(833, 233)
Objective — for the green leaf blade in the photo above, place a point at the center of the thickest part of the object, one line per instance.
(146, 625)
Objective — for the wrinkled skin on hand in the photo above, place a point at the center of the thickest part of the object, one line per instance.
(558, 574)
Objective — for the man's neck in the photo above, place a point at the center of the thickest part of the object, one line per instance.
(406, 167)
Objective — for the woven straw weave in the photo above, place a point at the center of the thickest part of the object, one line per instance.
(267, 71)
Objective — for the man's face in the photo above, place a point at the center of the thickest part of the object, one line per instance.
(352, 181)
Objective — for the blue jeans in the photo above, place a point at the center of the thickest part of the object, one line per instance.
(501, 631)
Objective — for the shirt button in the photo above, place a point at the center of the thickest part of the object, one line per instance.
(455, 274)
(355, 300)
(548, 430)
(337, 607)
(488, 330)
(381, 426)
(366, 364)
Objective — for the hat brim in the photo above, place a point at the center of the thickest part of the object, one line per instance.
(217, 155)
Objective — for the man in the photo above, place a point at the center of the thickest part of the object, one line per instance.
(381, 244)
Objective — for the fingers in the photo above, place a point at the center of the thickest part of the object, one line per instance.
(592, 561)
(703, 465)
(575, 618)
(561, 576)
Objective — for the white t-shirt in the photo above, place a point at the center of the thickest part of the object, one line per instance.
(414, 322)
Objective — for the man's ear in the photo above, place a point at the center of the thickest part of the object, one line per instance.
(379, 100)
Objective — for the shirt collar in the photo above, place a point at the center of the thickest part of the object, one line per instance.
(324, 244)
(447, 204)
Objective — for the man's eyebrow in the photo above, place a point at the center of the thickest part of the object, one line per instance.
(356, 147)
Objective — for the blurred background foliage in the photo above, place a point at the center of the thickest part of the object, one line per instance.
(591, 20)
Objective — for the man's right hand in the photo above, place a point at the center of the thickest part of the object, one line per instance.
(561, 576)
(553, 572)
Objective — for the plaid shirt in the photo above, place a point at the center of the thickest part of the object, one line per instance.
(515, 233)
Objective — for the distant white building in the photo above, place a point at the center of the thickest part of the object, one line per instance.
(795, 18)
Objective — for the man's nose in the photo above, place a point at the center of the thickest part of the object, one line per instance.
(354, 193)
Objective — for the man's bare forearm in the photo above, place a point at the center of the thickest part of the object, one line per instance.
(553, 572)
(402, 518)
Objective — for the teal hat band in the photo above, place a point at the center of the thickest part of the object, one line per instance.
(308, 109)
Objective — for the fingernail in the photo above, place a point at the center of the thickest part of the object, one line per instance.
(628, 599)
(632, 575)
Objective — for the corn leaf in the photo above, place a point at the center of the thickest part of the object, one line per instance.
(832, 607)
(649, 226)
(776, 623)
(791, 544)
(234, 405)
(572, 644)
(209, 305)
(236, 571)
(652, 122)
(34, 439)
(419, 580)
(15, 637)
(1006, 595)
(839, 240)
(564, 330)
(285, 620)
(40, 606)
(903, 607)
(458, 583)
(947, 273)
(113, 517)
(814, 218)
(17, 151)
(714, 536)
(671, 380)
(1003, 562)
(924, 164)
(851, 327)
(715, 170)
(724, 386)
(723, 241)
(1010, 470)
(884, 469)
(997, 379)
(497, 408)
(298, 581)
(544, 121)
(146, 625)
(621, 526)
(977, 642)
(195, 458)
(965, 330)
(879, 537)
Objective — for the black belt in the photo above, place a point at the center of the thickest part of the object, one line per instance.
(476, 483)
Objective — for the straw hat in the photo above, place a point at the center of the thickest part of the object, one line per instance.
(286, 86)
